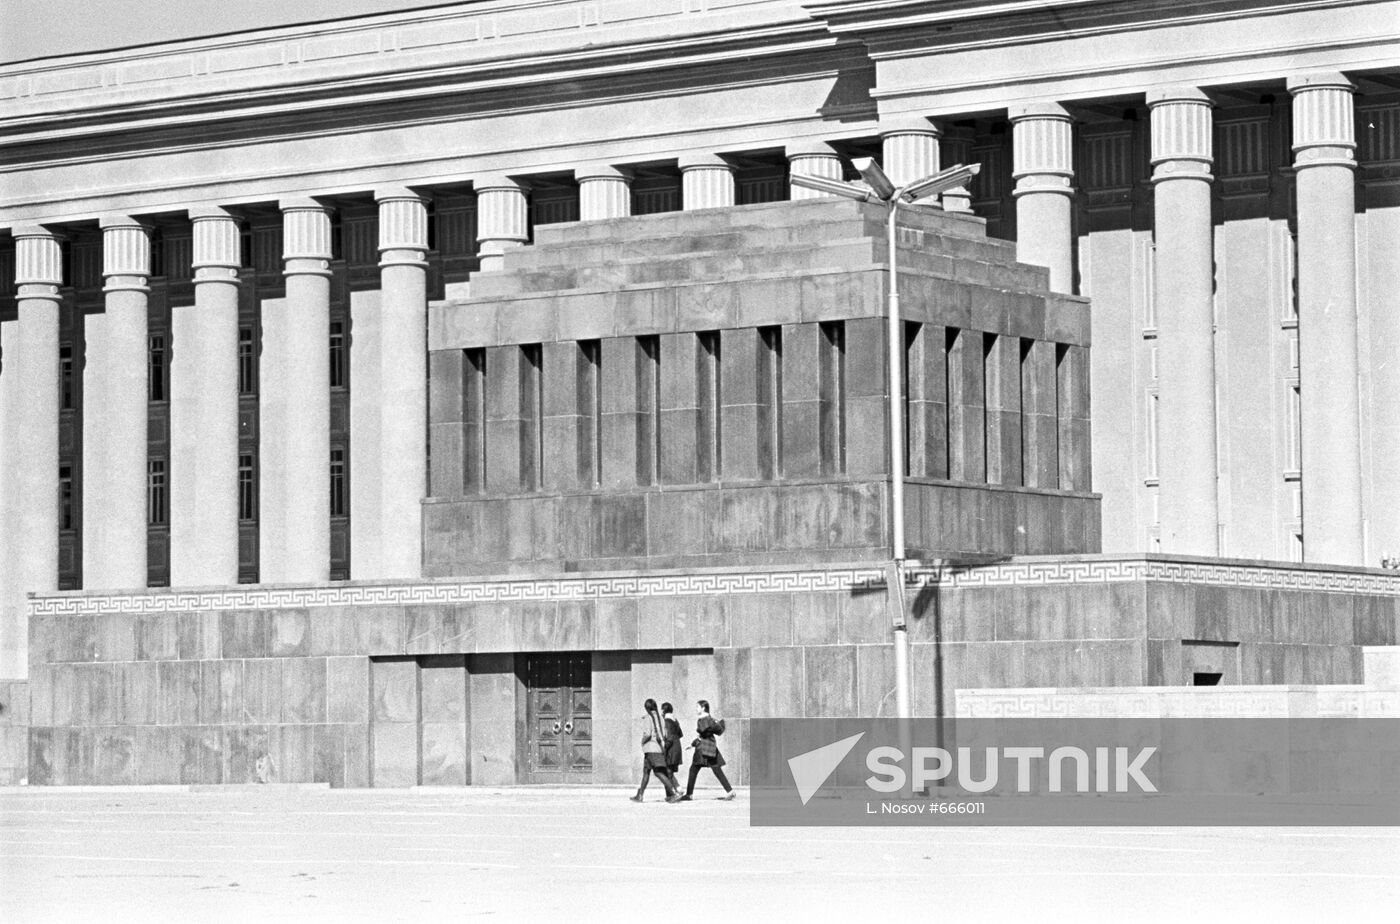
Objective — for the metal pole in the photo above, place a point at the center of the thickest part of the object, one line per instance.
(895, 355)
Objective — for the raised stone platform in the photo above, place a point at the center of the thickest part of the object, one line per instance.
(352, 684)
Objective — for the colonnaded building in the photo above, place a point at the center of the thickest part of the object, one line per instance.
(403, 399)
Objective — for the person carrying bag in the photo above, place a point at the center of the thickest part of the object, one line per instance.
(707, 751)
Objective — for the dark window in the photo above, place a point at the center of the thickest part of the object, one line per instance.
(474, 407)
(338, 354)
(65, 497)
(339, 495)
(156, 380)
(247, 362)
(247, 489)
(65, 365)
(156, 500)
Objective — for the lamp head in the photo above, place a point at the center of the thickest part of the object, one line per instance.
(942, 181)
(831, 187)
(879, 183)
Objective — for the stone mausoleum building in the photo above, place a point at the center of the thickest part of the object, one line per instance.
(403, 399)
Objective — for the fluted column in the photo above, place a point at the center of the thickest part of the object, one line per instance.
(403, 377)
(114, 413)
(502, 221)
(29, 539)
(1324, 140)
(603, 192)
(1184, 295)
(204, 410)
(294, 534)
(812, 158)
(1041, 141)
(909, 150)
(707, 182)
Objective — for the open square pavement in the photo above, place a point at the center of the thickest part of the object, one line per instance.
(291, 854)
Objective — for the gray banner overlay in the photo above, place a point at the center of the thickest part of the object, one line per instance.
(1333, 771)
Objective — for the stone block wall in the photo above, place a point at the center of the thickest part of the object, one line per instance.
(14, 731)
(726, 371)
(403, 683)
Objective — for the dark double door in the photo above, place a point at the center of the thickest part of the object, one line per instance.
(559, 718)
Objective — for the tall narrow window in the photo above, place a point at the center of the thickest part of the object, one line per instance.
(156, 380)
(247, 362)
(832, 414)
(707, 393)
(247, 489)
(770, 405)
(590, 405)
(65, 497)
(156, 499)
(648, 408)
(337, 354)
(531, 401)
(1294, 430)
(338, 487)
(65, 365)
(1151, 428)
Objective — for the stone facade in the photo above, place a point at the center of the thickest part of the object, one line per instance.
(504, 313)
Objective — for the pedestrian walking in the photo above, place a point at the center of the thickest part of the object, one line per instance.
(707, 751)
(674, 752)
(654, 755)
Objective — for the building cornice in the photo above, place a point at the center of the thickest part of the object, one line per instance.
(474, 47)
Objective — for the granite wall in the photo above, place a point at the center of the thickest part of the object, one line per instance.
(14, 731)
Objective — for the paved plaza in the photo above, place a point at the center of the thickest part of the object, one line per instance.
(590, 855)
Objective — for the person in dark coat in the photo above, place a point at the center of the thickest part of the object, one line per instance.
(707, 751)
(654, 755)
(674, 753)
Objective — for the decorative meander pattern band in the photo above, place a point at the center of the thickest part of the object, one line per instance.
(544, 590)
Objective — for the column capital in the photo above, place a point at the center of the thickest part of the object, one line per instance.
(397, 194)
(1042, 148)
(1182, 138)
(487, 182)
(601, 172)
(403, 227)
(306, 237)
(908, 125)
(1324, 123)
(702, 161)
(1042, 110)
(809, 148)
(216, 250)
(38, 262)
(126, 253)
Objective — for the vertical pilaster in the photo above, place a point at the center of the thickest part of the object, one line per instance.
(501, 219)
(29, 540)
(1041, 139)
(295, 445)
(403, 381)
(114, 424)
(707, 182)
(204, 410)
(1324, 141)
(1184, 295)
(812, 158)
(910, 149)
(603, 192)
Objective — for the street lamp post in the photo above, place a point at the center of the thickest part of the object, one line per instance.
(879, 188)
